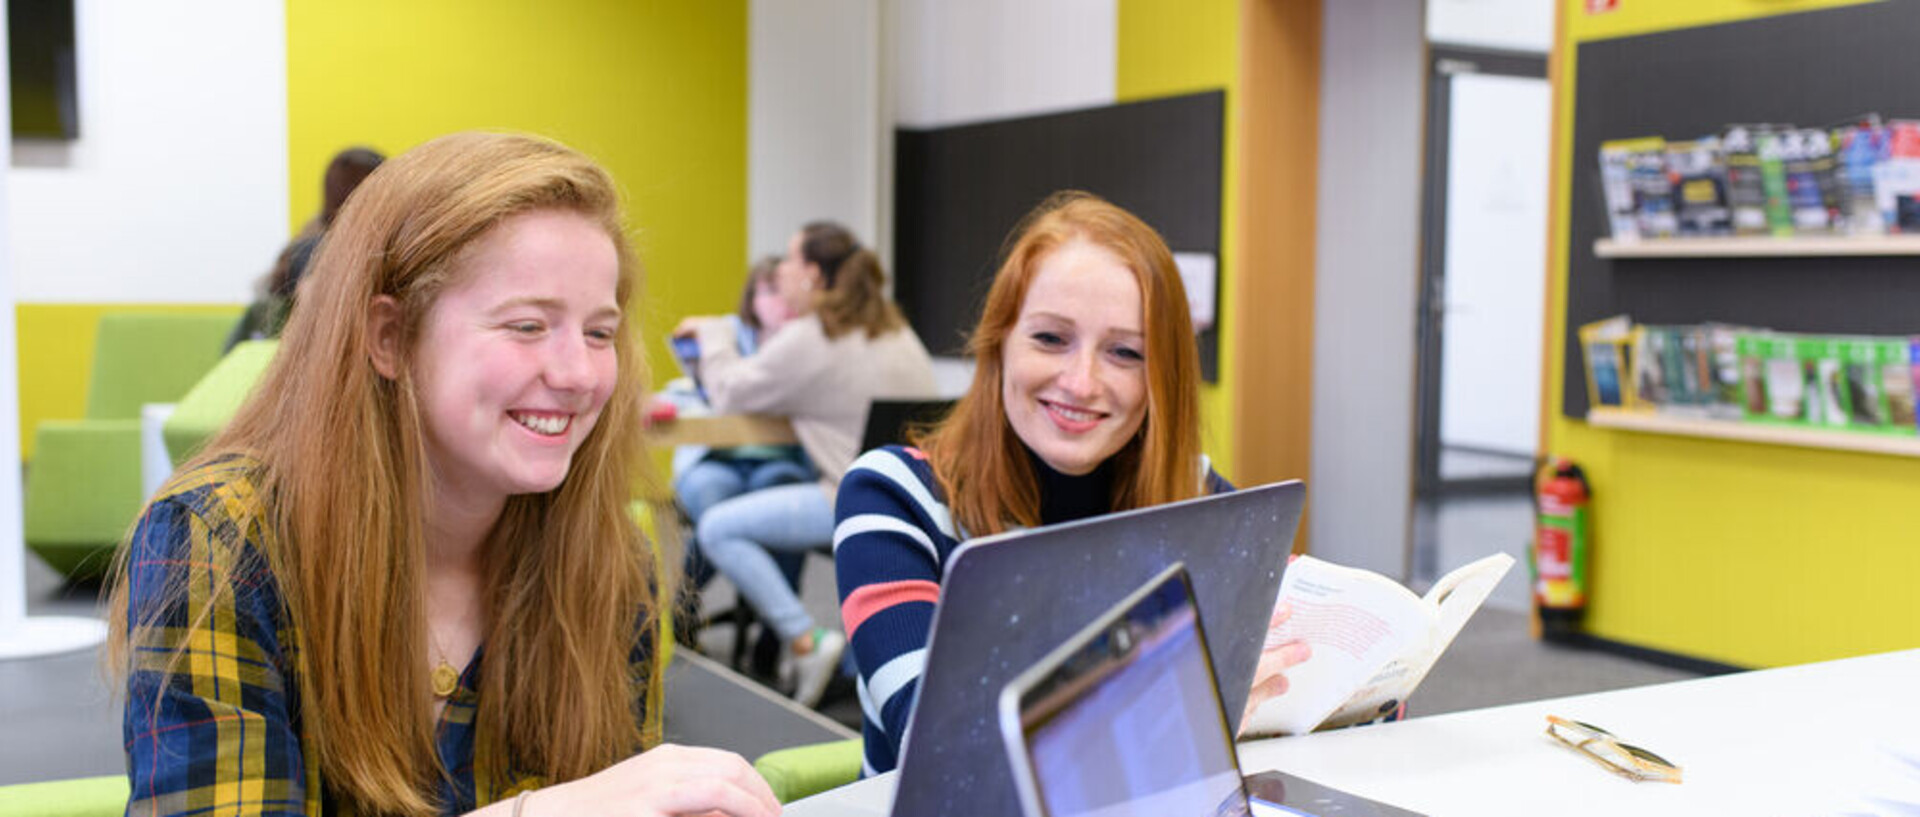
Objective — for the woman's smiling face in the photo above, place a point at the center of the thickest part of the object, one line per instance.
(1075, 368)
(515, 357)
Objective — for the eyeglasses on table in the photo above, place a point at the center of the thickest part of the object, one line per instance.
(1602, 747)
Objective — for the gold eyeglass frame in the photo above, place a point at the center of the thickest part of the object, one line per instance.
(1640, 764)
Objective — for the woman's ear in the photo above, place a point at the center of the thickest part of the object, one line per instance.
(383, 336)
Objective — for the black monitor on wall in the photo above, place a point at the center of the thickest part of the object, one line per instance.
(42, 78)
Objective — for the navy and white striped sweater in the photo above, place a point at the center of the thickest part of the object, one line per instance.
(893, 536)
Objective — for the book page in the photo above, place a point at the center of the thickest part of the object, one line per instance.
(1356, 621)
(1385, 691)
(1453, 599)
(1459, 593)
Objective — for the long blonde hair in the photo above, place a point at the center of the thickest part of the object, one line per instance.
(570, 584)
(981, 464)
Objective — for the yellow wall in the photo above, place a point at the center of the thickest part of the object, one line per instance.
(1170, 47)
(56, 356)
(1747, 554)
(656, 91)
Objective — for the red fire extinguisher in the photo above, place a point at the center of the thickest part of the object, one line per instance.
(1560, 543)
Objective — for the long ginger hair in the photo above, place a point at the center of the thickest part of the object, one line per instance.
(570, 583)
(980, 462)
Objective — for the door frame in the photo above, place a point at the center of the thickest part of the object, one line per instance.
(1443, 63)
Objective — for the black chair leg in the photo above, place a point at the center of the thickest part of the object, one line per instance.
(743, 619)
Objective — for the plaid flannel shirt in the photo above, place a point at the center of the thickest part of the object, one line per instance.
(212, 723)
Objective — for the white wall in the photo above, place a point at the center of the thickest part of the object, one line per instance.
(954, 62)
(1511, 25)
(951, 63)
(814, 124)
(830, 79)
(1367, 275)
(176, 190)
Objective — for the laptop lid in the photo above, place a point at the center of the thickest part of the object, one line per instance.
(1124, 719)
(1008, 600)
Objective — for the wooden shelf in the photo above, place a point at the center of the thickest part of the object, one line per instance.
(1754, 432)
(1760, 247)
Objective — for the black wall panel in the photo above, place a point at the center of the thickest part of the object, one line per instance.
(960, 190)
(1811, 69)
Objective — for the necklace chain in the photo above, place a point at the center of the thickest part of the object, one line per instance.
(445, 676)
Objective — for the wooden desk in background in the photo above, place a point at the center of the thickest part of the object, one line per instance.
(721, 431)
(713, 431)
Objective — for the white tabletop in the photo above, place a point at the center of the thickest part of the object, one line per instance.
(1838, 737)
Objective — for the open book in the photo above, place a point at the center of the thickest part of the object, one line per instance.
(1373, 640)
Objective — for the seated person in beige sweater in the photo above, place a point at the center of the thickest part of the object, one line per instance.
(848, 346)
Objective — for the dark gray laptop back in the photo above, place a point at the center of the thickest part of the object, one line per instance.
(1008, 600)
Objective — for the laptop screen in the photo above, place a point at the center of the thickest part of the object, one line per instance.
(1124, 719)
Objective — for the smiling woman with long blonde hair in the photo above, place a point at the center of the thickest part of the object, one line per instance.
(403, 580)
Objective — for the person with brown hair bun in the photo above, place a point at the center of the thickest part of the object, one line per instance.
(267, 315)
(848, 346)
(1085, 400)
(404, 580)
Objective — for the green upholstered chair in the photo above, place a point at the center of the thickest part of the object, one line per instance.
(83, 485)
(804, 771)
(214, 400)
(80, 797)
(642, 513)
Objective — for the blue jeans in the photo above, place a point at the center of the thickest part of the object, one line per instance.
(713, 480)
(740, 535)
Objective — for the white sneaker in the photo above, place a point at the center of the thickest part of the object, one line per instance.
(812, 671)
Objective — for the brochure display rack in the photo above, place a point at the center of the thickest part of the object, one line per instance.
(1815, 67)
(1696, 515)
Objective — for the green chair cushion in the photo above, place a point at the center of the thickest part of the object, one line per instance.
(80, 797)
(150, 357)
(804, 771)
(210, 403)
(83, 492)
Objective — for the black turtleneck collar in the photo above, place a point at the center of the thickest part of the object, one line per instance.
(1064, 498)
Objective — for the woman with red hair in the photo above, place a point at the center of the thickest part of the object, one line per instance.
(1084, 401)
(403, 579)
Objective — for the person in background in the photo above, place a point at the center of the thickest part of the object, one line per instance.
(704, 476)
(267, 315)
(404, 580)
(848, 346)
(1084, 401)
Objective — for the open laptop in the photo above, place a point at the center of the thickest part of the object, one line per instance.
(1124, 720)
(1008, 600)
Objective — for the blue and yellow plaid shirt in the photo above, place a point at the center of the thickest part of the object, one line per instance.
(212, 720)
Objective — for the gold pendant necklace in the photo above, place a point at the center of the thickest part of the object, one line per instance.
(445, 676)
(445, 679)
